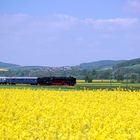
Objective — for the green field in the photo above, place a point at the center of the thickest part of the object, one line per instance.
(82, 86)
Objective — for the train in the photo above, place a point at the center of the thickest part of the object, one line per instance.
(48, 81)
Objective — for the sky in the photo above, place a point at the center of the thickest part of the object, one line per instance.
(68, 32)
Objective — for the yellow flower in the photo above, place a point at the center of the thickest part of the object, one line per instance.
(75, 115)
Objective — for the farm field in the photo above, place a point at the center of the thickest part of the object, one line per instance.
(3, 69)
(81, 85)
(107, 84)
(69, 114)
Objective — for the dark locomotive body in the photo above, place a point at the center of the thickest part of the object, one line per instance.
(57, 81)
(70, 81)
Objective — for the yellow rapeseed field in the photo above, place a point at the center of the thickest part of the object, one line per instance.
(27, 114)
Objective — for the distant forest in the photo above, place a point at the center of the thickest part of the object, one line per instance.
(107, 69)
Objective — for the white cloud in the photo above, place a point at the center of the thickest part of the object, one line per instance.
(115, 21)
(112, 25)
(51, 28)
(58, 23)
(133, 5)
(21, 21)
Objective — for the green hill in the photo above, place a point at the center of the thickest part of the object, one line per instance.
(129, 63)
(104, 64)
(7, 65)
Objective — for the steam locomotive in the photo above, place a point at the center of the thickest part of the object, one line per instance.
(69, 81)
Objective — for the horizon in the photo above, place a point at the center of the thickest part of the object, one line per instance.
(65, 65)
(67, 33)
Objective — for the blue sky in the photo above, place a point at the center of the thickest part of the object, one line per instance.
(68, 32)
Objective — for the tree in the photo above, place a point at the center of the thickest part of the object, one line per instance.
(119, 77)
(94, 74)
(87, 76)
(88, 79)
(105, 74)
(134, 77)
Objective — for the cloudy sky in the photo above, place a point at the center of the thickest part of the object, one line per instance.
(68, 32)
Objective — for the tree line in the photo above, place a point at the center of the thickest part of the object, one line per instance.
(87, 75)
